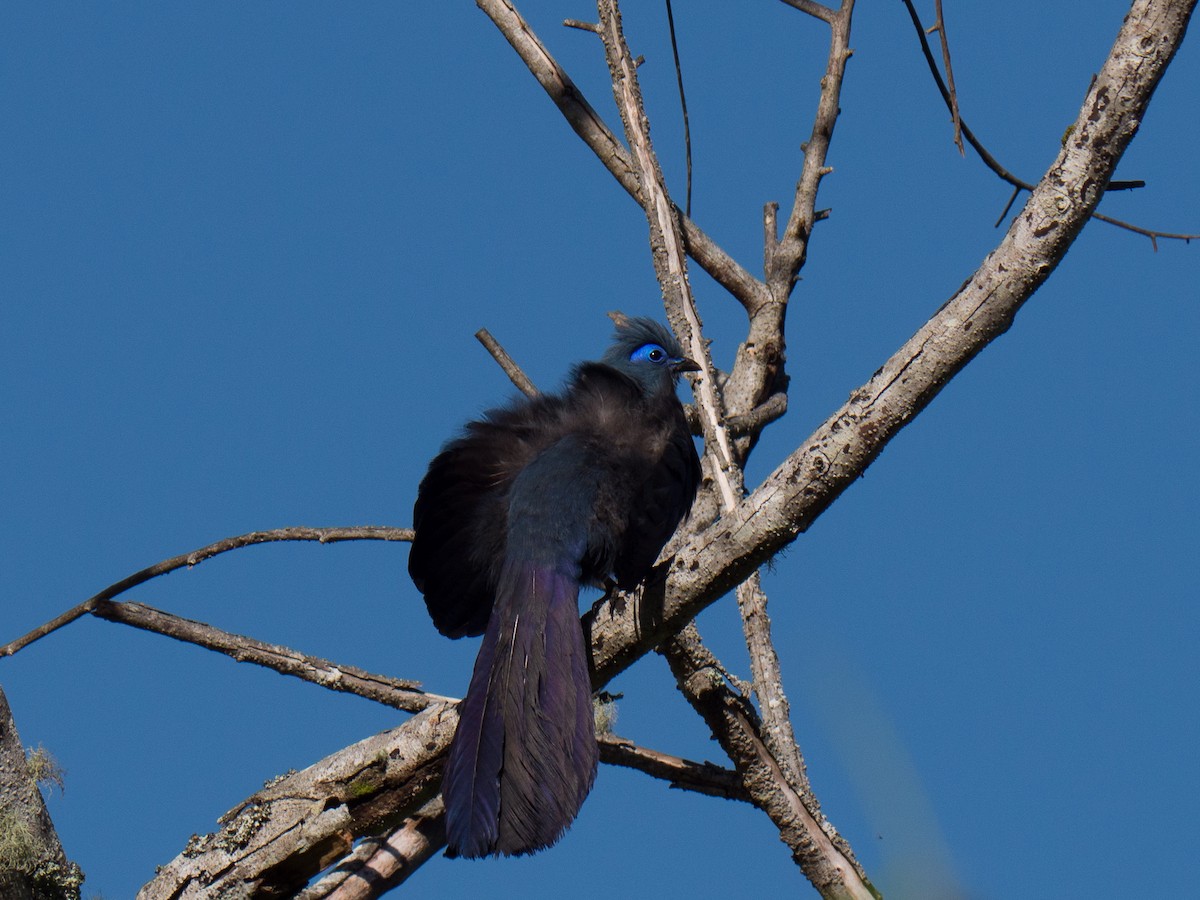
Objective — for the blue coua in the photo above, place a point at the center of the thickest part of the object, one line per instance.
(531, 502)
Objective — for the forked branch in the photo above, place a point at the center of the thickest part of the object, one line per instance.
(950, 97)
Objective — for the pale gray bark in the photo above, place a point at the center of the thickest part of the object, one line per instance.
(273, 842)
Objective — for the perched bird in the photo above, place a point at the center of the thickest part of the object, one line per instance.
(532, 501)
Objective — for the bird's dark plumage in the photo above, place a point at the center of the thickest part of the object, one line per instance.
(531, 502)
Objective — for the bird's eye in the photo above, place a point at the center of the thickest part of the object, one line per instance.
(649, 353)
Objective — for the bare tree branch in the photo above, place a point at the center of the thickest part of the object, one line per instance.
(670, 265)
(275, 841)
(514, 372)
(687, 128)
(703, 778)
(1018, 184)
(581, 25)
(393, 692)
(383, 787)
(758, 370)
(773, 706)
(819, 851)
(588, 124)
(836, 454)
(784, 260)
(299, 533)
(379, 864)
(773, 408)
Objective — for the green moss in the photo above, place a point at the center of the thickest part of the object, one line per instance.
(363, 786)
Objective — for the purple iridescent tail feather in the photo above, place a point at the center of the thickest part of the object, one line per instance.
(524, 756)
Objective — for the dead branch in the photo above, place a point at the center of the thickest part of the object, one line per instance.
(753, 422)
(589, 125)
(299, 533)
(784, 259)
(277, 840)
(379, 864)
(514, 372)
(774, 710)
(758, 370)
(670, 265)
(703, 778)
(823, 856)
(940, 27)
(790, 499)
(950, 98)
(393, 692)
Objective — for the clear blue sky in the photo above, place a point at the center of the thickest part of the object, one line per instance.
(243, 251)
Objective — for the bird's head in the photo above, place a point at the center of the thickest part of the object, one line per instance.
(647, 352)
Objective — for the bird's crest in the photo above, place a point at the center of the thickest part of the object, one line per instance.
(632, 332)
(646, 352)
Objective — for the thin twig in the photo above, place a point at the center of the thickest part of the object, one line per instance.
(507, 363)
(393, 692)
(1151, 233)
(687, 131)
(940, 27)
(582, 26)
(684, 774)
(992, 163)
(299, 533)
(790, 253)
(1016, 192)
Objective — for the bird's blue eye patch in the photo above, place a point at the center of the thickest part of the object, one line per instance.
(651, 353)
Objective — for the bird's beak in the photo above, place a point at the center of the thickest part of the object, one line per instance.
(684, 365)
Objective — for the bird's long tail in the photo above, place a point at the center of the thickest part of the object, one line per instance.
(524, 756)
